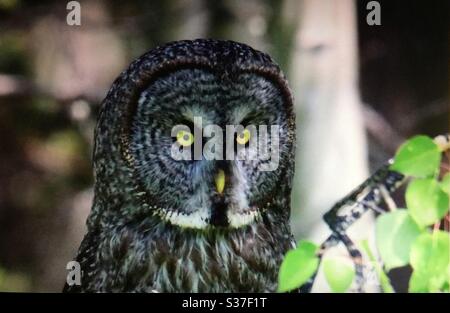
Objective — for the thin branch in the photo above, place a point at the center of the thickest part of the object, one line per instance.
(15, 85)
(380, 129)
(388, 199)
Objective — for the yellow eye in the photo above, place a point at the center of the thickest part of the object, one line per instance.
(243, 137)
(185, 138)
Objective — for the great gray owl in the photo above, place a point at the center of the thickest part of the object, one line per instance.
(205, 225)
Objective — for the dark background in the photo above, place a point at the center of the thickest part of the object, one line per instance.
(53, 77)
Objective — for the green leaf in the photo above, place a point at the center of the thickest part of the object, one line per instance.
(419, 156)
(298, 266)
(426, 201)
(418, 282)
(445, 183)
(395, 232)
(339, 274)
(430, 261)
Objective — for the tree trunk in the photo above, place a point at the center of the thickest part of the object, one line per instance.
(331, 144)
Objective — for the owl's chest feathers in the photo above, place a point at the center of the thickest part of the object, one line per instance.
(169, 259)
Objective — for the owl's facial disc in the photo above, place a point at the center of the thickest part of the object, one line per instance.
(206, 193)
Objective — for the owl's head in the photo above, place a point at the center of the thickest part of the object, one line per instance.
(199, 134)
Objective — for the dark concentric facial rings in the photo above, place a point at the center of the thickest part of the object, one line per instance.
(192, 197)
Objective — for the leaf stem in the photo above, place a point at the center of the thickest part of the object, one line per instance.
(384, 279)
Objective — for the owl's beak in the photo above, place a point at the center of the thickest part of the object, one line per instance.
(219, 180)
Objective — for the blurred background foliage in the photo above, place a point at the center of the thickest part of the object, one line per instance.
(54, 76)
